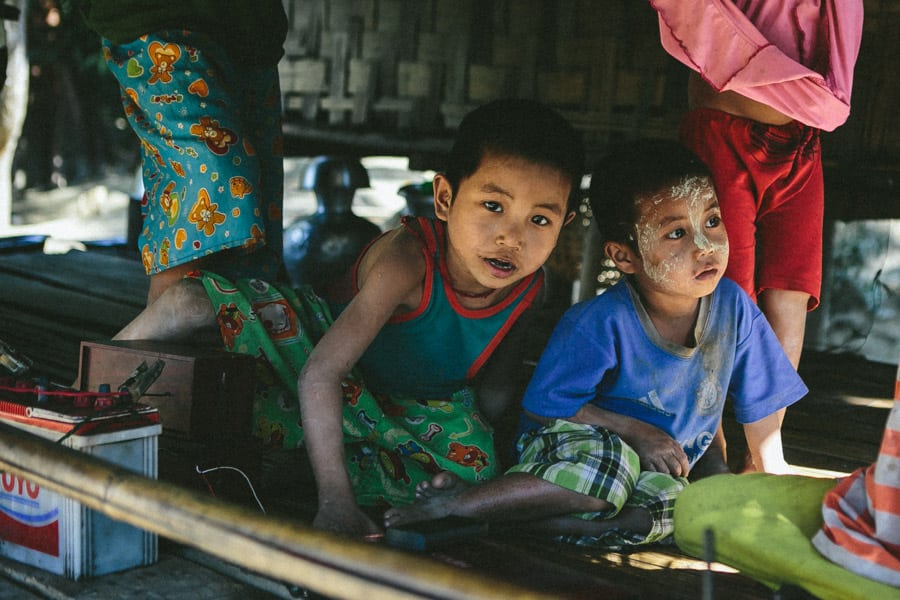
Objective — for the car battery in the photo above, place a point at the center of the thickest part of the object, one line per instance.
(56, 533)
(203, 394)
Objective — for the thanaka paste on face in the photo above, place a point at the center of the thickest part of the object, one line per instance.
(697, 192)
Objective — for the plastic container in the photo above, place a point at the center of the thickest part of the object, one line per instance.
(55, 533)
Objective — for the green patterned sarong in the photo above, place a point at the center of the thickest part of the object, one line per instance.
(391, 443)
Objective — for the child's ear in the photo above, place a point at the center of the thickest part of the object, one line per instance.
(569, 218)
(443, 196)
(623, 255)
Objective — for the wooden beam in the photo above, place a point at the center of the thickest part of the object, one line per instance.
(284, 550)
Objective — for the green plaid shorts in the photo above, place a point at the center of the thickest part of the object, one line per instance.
(594, 461)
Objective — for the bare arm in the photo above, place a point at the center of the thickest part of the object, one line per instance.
(764, 443)
(714, 461)
(390, 281)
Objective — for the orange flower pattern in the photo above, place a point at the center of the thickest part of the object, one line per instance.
(204, 214)
(239, 186)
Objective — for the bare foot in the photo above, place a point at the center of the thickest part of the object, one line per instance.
(434, 499)
(443, 483)
(637, 520)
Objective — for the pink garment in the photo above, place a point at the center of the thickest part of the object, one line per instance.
(796, 56)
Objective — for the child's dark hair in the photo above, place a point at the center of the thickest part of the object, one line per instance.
(633, 171)
(519, 128)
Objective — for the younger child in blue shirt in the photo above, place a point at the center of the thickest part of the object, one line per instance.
(629, 393)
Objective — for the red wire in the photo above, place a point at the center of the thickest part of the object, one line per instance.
(208, 484)
(64, 393)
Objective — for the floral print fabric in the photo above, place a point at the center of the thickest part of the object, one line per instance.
(210, 135)
(391, 442)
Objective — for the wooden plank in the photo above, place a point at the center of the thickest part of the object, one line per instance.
(93, 273)
(488, 82)
(562, 87)
(67, 306)
(50, 303)
(338, 75)
(284, 550)
(577, 572)
(508, 554)
(54, 350)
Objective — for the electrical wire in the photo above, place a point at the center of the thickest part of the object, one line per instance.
(203, 473)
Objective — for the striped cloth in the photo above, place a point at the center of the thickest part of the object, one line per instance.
(861, 529)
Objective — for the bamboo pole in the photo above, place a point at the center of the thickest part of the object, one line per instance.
(284, 550)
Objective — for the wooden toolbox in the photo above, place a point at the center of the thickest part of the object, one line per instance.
(202, 393)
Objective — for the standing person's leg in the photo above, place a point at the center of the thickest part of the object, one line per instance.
(260, 107)
(160, 282)
(790, 221)
(184, 314)
(768, 180)
(257, 190)
(718, 139)
(786, 312)
(769, 183)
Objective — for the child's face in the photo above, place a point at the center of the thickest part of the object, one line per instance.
(504, 221)
(682, 241)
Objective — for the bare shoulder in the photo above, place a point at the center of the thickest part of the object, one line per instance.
(395, 262)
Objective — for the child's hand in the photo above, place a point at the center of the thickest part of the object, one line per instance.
(345, 518)
(659, 452)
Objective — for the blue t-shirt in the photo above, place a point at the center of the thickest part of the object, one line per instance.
(606, 351)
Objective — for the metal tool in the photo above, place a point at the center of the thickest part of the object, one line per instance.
(14, 361)
(140, 380)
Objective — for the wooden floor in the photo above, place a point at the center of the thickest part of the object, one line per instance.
(50, 303)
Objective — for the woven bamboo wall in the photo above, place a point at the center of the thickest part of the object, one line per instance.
(417, 66)
(410, 69)
(420, 65)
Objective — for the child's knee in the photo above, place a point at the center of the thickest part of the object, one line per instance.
(589, 460)
(656, 493)
(189, 294)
